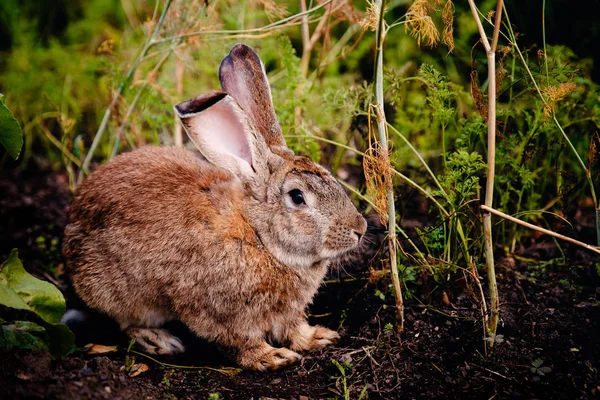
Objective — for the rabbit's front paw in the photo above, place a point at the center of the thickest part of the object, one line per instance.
(268, 358)
(307, 337)
(156, 341)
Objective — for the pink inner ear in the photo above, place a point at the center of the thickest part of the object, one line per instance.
(220, 129)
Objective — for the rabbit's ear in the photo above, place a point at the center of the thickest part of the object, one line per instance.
(242, 75)
(223, 133)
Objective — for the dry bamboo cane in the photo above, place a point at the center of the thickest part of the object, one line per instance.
(489, 196)
(595, 249)
(490, 50)
(381, 127)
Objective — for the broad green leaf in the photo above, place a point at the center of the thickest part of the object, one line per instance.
(23, 335)
(61, 339)
(20, 290)
(11, 137)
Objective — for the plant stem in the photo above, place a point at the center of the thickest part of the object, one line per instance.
(544, 38)
(491, 161)
(489, 194)
(305, 40)
(179, 71)
(381, 127)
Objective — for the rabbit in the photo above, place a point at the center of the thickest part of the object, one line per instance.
(234, 245)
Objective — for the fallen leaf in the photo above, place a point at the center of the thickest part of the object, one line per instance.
(138, 369)
(445, 298)
(23, 376)
(99, 348)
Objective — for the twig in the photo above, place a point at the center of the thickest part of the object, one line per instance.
(492, 372)
(590, 247)
(228, 371)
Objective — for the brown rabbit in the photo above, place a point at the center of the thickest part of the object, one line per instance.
(234, 247)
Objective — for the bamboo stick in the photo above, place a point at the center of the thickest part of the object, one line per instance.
(490, 50)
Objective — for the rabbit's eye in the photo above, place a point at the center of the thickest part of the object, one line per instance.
(297, 196)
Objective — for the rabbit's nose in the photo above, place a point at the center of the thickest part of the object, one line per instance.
(361, 226)
(359, 235)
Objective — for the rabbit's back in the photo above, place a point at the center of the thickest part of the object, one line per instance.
(141, 223)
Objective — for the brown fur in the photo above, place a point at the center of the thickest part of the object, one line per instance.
(159, 234)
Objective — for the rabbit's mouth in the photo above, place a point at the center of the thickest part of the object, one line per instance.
(337, 245)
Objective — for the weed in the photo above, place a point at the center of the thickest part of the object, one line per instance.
(343, 368)
(538, 368)
(166, 378)
(388, 328)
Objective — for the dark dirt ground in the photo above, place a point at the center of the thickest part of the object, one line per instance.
(550, 325)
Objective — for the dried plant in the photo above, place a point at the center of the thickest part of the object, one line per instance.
(272, 9)
(371, 19)
(420, 23)
(184, 16)
(478, 98)
(554, 94)
(593, 153)
(344, 10)
(106, 47)
(448, 20)
(378, 177)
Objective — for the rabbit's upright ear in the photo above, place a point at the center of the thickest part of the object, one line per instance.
(242, 75)
(223, 133)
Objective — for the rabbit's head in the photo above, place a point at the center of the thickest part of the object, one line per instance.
(300, 212)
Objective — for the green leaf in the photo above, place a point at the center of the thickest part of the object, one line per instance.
(61, 339)
(22, 335)
(11, 137)
(20, 290)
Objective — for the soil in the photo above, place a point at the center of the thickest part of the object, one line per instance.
(547, 344)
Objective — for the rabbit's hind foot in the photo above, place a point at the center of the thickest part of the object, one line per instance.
(269, 358)
(156, 341)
